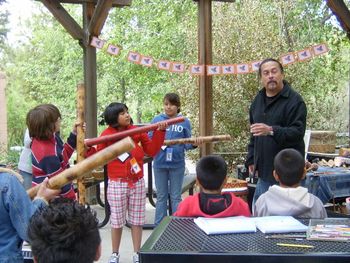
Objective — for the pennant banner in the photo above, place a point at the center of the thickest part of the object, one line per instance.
(211, 70)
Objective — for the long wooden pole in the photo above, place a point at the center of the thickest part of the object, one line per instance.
(80, 169)
(203, 139)
(205, 81)
(81, 138)
(138, 130)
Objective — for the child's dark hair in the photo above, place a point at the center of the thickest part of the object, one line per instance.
(211, 172)
(112, 112)
(174, 99)
(41, 121)
(289, 165)
(64, 231)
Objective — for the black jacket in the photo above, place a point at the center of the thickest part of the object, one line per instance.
(287, 115)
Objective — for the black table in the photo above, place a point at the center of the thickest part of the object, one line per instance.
(180, 240)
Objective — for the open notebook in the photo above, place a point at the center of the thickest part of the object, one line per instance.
(226, 225)
(279, 224)
(241, 224)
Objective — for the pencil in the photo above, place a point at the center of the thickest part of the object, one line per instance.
(294, 245)
(293, 237)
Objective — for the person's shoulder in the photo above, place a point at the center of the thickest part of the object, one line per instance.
(108, 130)
(8, 176)
(160, 117)
(261, 199)
(186, 120)
(4, 175)
(290, 91)
(315, 199)
(191, 199)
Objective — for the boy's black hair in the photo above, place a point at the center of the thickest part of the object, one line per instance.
(112, 112)
(211, 172)
(289, 165)
(64, 231)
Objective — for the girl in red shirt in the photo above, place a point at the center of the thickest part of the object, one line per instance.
(126, 187)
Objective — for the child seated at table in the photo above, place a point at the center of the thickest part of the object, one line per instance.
(211, 202)
(289, 198)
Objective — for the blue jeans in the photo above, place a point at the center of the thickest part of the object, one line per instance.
(168, 183)
(261, 187)
(27, 179)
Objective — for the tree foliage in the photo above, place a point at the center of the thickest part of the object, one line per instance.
(48, 67)
(3, 25)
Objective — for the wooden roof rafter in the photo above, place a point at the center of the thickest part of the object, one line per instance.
(115, 3)
(99, 15)
(68, 22)
(342, 13)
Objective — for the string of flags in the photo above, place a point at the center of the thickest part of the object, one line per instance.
(211, 70)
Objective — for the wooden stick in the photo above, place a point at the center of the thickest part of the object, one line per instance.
(204, 139)
(80, 138)
(123, 134)
(79, 170)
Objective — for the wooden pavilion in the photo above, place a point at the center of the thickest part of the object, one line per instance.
(95, 13)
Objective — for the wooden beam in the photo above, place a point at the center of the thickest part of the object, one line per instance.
(99, 17)
(229, 1)
(64, 18)
(205, 81)
(90, 76)
(341, 11)
(115, 3)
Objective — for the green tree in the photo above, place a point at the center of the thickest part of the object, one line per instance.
(48, 67)
(3, 25)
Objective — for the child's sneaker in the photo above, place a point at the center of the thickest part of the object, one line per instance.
(114, 258)
(135, 258)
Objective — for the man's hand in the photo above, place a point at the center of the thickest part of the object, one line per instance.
(251, 170)
(260, 129)
(45, 192)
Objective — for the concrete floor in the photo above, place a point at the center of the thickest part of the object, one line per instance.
(126, 248)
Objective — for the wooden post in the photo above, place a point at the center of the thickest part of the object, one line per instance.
(81, 138)
(90, 75)
(3, 114)
(205, 82)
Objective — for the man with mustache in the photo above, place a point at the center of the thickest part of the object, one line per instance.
(278, 119)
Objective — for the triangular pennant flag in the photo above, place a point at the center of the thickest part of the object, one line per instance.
(113, 50)
(242, 68)
(97, 43)
(288, 59)
(178, 67)
(228, 69)
(196, 69)
(320, 49)
(146, 61)
(164, 65)
(213, 70)
(256, 65)
(304, 54)
(134, 57)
